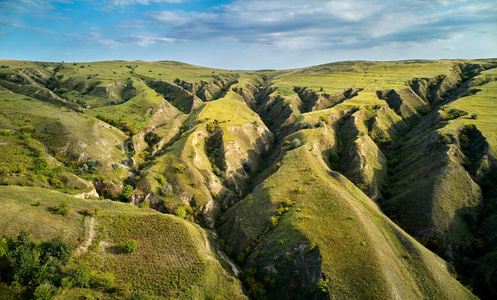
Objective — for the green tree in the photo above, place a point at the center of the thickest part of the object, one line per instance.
(166, 190)
(57, 248)
(296, 143)
(48, 272)
(26, 263)
(82, 276)
(22, 239)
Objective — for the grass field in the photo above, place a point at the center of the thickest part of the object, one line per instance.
(483, 105)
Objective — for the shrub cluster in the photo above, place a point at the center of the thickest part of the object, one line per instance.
(131, 246)
(36, 265)
(62, 208)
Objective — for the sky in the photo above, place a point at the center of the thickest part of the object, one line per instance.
(247, 34)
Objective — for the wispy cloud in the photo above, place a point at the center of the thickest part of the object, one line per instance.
(95, 35)
(264, 30)
(145, 40)
(39, 8)
(333, 24)
(132, 2)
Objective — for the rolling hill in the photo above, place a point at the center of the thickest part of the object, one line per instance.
(355, 180)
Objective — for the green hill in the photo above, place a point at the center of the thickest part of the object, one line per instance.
(357, 180)
(174, 258)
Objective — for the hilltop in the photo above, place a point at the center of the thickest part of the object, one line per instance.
(345, 180)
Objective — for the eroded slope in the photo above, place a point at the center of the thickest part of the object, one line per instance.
(307, 174)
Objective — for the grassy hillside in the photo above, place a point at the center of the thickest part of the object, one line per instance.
(332, 225)
(345, 180)
(174, 258)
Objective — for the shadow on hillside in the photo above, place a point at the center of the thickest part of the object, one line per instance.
(115, 249)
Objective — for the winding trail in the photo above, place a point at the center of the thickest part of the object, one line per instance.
(89, 235)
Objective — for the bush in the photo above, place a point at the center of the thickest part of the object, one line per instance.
(241, 258)
(144, 205)
(56, 183)
(45, 291)
(287, 202)
(66, 283)
(180, 211)
(4, 248)
(334, 159)
(140, 295)
(37, 265)
(62, 209)
(161, 179)
(40, 165)
(127, 191)
(323, 285)
(464, 141)
(454, 114)
(273, 221)
(392, 162)
(180, 168)
(295, 143)
(311, 246)
(106, 280)
(6, 132)
(131, 246)
(445, 139)
(166, 190)
(425, 110)
(87, 212)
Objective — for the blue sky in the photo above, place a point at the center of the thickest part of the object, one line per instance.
(247, 34)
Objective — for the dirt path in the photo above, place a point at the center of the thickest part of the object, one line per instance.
(89, 235)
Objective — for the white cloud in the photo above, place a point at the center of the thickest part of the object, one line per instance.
(274, 28)
(145, 40)
(333, 24)
(144, 2)
(170, 17)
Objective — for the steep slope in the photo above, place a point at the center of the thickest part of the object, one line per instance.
(50, 146)
(174, 257)
(208, 166)
(307, 231)
(447, 157)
